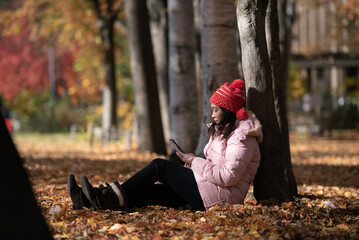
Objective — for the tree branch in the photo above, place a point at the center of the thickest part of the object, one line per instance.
(113, 14)
(97, 8)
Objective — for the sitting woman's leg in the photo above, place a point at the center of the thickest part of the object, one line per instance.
(178, 188)
(177, 180)
(158, 194)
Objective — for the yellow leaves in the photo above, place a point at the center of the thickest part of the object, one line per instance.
(85, 82)
(99, 110)
(343, 226)
(253, 230)
(286, 205)
(78, 36)
(348, 194)
(72, 90)
(91, 222)
(126, 114)
(60, 224)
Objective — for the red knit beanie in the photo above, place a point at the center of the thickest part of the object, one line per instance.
(231, 97)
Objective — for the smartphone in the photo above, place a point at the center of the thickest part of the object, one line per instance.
(175, 145)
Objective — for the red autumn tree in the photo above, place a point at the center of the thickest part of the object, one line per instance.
(24, 65)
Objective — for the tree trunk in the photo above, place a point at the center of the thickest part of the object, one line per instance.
(279, 85)
(272, 179)
(159, 35)
(219, 55)
(109, 97)
(144, 78)
(285, 17)
(182, 75)
(22, 218)
(109, 116)
(52, 74)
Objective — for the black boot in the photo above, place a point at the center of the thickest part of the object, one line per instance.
(110, 196)
(78, 198)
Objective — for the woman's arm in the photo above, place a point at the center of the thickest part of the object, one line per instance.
(238, 155)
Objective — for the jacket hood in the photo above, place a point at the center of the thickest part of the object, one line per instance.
(253, 128)
(256, 131)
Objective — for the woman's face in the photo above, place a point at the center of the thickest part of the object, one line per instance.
(217, 113)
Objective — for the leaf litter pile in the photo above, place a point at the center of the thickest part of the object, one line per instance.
(326, 170)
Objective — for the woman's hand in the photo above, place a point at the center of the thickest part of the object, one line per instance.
(186, 157)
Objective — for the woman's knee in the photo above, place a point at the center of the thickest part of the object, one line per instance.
(159, 164)
(158, 161)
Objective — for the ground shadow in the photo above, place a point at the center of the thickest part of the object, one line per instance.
(56, 171)
(327, 175)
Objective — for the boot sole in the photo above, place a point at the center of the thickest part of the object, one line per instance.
(89, 192)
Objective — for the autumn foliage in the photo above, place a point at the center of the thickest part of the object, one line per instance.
(22, 67)
(25, 65)
(351, 8)
(29, 29)
(327, 208)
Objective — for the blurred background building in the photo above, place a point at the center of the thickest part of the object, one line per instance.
(325, 54)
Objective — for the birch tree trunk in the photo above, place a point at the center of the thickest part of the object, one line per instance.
(272, 179)
(22, 218)
(219, 55)
(182, 75)
(144, 78)
(159, 35)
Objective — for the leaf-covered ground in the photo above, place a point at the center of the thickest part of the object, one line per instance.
(327, 173)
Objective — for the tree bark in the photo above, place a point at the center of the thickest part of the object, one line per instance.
(285, 19)
(22, 218)
(144, 78)
(159, 35)
(109, 97)
(182, 75)
(219, 55)
(271, 180)
(278, 65)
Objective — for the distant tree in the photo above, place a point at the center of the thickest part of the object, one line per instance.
(22, 218)
(106, 16)
(345, 26)
(159, 34)
(182, 74)
(24, 65)
(219, 55)
(340, 29)
(273, 179)
(21, 66)
(29, 28)
(350, 8)
(144, 78)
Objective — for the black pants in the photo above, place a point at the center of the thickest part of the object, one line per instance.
(178, 186)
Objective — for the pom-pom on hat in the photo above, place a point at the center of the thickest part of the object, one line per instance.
(231, 97)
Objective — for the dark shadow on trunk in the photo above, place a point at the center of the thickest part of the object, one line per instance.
(22, 218)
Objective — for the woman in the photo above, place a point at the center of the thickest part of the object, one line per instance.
(232, 159)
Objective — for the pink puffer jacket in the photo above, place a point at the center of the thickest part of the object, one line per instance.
(230, 166)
